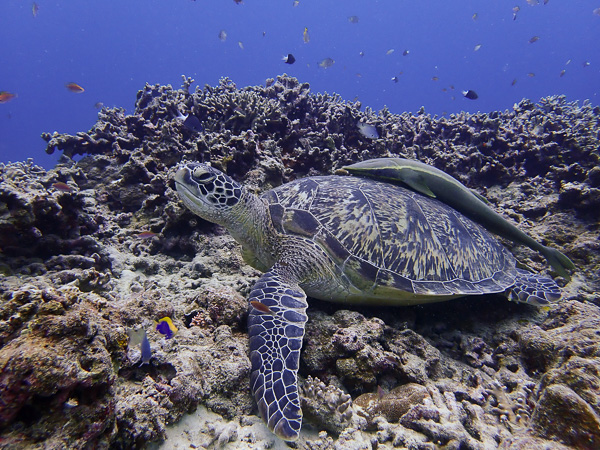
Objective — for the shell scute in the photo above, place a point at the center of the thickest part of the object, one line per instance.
(386, 278)
(300, 222)
(332, 246)
(362, 274)
(347, 213)
(276, 211)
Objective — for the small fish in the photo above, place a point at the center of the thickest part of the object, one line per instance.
(35, 8)
(534, 39)
(240, 45)
(367, 130)
(596, 11)
(98, 105)
(145, 235)
(165, 326)
(260, 306)
(405, 52)
(264, 33)
(434, 79)
(353, 19)
(238, 2)
(562, 73)
(296, 3)
(64, 187)
(475, 16)
(223, 35)
(358, 75)
(135, 337)
(395, 79)
(515, 10)
(568, 62)
(191, 122)
(289, 59)
(74, 87)
(305, 36)
(531, 74)
(533, 2)
(585, 64)
(361, 54)
(390, 51)
(326, 63)
(471, 95)
(146, 350)
(6, 96)
(477, 47)
(71, 403)
(513, 82)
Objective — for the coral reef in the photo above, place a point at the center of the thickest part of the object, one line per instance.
(101, 245)
(328, 406)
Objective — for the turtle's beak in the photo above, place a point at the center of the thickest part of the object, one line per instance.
(187, 190)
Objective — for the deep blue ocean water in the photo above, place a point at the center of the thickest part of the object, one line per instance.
(113, 47)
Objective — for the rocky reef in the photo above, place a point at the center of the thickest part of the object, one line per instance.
(101, 245)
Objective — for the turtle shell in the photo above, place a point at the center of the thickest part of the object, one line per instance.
(387, 239)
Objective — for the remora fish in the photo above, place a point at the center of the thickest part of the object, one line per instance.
(432, 182)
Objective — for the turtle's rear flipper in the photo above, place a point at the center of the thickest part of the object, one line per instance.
(276, 328)
(534, 289)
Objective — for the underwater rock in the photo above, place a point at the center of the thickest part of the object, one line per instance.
(392, 405)
(57, 372)
(326, 406)
(556, 414)
(222, 305)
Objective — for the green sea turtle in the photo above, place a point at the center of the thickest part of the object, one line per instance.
(348, 240)
(434, 183)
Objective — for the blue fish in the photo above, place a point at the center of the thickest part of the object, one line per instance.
(146, 350)
(191, 122)
(165, 327)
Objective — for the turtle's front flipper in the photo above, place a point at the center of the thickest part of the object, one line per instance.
(276, 328)
(534, 289)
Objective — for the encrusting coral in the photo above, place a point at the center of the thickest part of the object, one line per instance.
(98, 246)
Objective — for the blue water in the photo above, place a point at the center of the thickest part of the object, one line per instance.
(113, 47)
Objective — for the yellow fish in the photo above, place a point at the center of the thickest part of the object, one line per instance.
(305, 35)
(166, 327)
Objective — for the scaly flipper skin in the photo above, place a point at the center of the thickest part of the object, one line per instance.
(276, 328)
(534, 289)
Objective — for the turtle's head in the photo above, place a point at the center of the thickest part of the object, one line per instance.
(206, 191)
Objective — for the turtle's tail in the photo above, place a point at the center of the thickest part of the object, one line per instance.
(558, 261)
(534, 289)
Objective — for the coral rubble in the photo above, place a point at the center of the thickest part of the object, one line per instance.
(101, 245)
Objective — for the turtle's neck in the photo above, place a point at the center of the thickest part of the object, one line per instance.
(249, 222)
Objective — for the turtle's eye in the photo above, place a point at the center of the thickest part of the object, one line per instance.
(201, 176)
